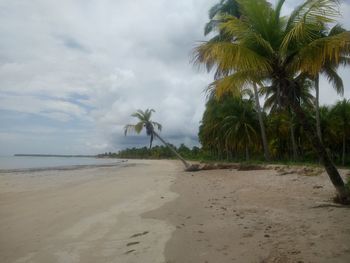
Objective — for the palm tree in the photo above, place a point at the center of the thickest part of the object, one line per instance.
(240, 126)
(217, 15)
(275, 104)
(144, 118)
(268, 48)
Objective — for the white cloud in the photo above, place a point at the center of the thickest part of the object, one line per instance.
(96, 62)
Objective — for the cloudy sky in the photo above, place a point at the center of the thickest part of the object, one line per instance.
(72, 72)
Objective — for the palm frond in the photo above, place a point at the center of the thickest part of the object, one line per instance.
(157, 125)
(334, 79)
(133, 128)
(313, 56)
(278, 9)
(232, 84)
(239, 29)
(228, 57)
(139, 114)
(314, 11)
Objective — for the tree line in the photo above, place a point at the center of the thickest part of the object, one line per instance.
(157, 152)
(230, 130)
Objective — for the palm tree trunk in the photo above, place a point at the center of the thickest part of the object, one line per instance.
(246, 153)
(187, 165)
(317, 104)
(344, 146)
(261, 122)
(294, 145)
(333, 174)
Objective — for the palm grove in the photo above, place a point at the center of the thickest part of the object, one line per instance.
(259, 55)
(255, 51)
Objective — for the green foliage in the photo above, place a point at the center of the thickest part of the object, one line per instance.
(283, 55)
(157, 152)
(222, 141)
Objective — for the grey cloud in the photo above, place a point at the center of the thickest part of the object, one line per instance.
(96, 62)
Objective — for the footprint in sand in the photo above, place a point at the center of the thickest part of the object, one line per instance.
(139, 234)
(132, 243)
(130, 251)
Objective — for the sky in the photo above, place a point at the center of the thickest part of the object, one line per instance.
(73, 71)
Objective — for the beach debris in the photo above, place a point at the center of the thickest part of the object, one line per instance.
(193, 168)
(250, 167)
(304, 171)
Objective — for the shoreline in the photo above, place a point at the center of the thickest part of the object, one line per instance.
(62, 168)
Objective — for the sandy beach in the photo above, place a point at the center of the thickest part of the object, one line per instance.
(151, 211)
(86, 215)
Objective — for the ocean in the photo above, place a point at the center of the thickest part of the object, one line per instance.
(9, 163)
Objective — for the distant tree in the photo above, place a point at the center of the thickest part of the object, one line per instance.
(144, 118)
(340, 115)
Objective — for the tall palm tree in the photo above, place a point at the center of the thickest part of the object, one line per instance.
(266, 47)
(217, 16)
(144, 118)
(301, 94)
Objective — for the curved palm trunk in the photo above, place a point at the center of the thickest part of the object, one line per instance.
(317, 105)
(246, 153)
(261, 123)
(187, 165)
(334, 176)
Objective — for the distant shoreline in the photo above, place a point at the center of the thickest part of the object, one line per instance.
(62, 168)
(52, 155)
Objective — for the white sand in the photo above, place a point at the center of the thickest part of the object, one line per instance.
(87, 215)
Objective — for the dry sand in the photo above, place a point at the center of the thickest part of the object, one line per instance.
(255, 216)
(151, 211)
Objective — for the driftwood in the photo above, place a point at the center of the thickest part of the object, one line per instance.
(221, 166)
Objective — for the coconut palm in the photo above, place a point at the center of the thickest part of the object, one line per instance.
(217, 16)
(240, 126)
(266, 47)
(144, 118)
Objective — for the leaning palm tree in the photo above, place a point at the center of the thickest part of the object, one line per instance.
(144, 118)
(268, 48)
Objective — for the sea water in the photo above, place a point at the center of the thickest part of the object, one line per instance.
(31, 162)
